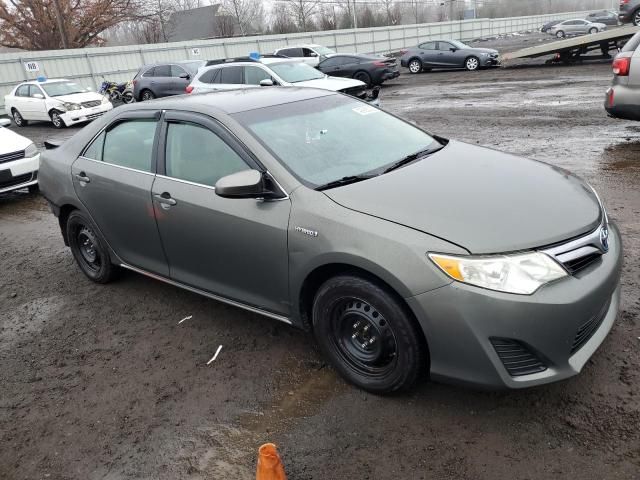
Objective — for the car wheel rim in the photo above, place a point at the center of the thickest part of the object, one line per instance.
(636, 19)
(55, 118)
(87, 245)
(17, 118)
(414, 67)
(146, 96)
(362, 337)
(472, 64)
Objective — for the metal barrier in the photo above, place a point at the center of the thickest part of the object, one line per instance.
(88, 65)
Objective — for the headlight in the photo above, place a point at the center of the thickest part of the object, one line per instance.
(484, 54)
(522, 273)
(105, 100)
(31, 150)
(71, 106)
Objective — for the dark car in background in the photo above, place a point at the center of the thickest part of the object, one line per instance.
(623, 97)
(607, 17)
(545, 28)
(447, 54)
(164, 79)
(629, 11)
(370, 69)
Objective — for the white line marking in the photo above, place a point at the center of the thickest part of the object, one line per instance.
(185, 318)
(216, 355)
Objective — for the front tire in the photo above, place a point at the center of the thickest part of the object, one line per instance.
(88, 249)
(415, 66)
(472, 63)
(369, 337)
(56, 119)
(636, 18)
(593, 30)
(18, 120)
(560, 34)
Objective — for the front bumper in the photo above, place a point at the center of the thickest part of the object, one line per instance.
(460, 320)
(621, 101)
(85, 114)
(19, 173)
(490, 61)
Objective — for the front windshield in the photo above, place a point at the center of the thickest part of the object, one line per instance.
(323, 51)
(57, 89)
(325, 139)
(294, 72)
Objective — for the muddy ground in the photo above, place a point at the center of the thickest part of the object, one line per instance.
(101, 382)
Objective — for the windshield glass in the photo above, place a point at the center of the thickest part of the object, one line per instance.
(296, 72)
(325, 139)
(323, 50)
(57, 89)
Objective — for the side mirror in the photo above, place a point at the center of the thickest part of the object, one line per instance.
(267, 82)
(5, 122)
(453, 49)
(185, 76)
(245, 184)
(313, 54)
(38, 95)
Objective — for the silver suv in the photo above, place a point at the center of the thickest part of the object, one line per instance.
(623, 97)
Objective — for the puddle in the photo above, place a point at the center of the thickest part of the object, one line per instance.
(622, 160)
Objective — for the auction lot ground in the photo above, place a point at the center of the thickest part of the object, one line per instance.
(101, 382)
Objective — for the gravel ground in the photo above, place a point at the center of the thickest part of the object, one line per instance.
(101, 382)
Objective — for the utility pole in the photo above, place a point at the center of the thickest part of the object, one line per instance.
(60, 21)
(451, 10)
(355, 17)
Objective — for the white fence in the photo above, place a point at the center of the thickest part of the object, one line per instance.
(88, 65)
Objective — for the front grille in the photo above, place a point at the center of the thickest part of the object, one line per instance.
(587, 329)
(17, 180)
(91, 104)
(580, 263)
(10, 157)
(517, 358)
(95, 115)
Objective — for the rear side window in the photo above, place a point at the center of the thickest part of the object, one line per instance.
(130, 144)
(198, 155)
(231, 75)
(162, 71)
(632, 44)
(94, 151)
(291, 52)
(210, 76)
(22, 91)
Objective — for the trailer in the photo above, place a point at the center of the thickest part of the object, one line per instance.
(576, 49)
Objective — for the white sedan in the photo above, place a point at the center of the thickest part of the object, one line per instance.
(19, 160)
(60, 101)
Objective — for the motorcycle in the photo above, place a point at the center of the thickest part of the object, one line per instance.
(117, 91)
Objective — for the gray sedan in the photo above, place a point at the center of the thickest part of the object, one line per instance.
(575, 27)
(447, 54)
(400, 251)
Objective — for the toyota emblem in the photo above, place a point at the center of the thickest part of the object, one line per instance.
(604, 238)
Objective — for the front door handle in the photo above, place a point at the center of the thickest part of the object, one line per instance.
(165, 200)
(82, 177)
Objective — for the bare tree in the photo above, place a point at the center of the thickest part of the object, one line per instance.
(246, 13)
(36, 24)
(391, 10)
(302, 12)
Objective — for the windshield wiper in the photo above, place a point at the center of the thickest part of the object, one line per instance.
(412, 158)
(345, 181)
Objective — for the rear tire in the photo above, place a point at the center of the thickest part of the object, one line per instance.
(18, 120)
(472, 63)
(364, 77)
(88, 249)
(147, 95)
(56, 119)
(636, 18)
(369, 337)
(415, 65)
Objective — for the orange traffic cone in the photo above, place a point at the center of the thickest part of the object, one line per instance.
(269, 464)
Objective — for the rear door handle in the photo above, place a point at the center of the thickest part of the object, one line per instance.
(82, 177)
(165, 200)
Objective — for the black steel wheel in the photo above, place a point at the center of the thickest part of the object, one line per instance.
(88, 249)
(368, 335)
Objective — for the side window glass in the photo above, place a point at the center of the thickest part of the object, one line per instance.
(428, 46)
(444, 46)
(94, 150)
(253, 75)
(162, 71)
(231, 75)
(150, 72)
(176, 71)
(33, 89)
(307, 52)
(196, 154)
(330, 62)
(130, 144)
(22, 91)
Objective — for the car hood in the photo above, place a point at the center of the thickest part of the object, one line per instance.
(485, 50)
(11, 141)
(335, 84)
(79, 97)
(480, 199)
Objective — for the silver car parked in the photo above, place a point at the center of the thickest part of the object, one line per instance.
(447, 54)
(623, 97)
(574, 27)
(401, 251)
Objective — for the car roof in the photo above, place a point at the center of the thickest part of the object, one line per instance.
(233, 101)
(264, 61)
(304, 45)
(48, 80)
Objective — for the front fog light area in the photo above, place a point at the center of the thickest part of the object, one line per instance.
(520, 274)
